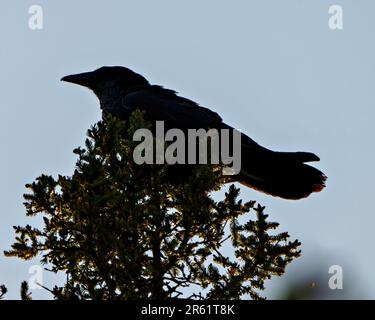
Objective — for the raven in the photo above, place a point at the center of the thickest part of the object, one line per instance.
(121, 91)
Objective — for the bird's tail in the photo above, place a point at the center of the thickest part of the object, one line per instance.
(282, 174)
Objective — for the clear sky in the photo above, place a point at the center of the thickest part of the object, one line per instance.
(273, 69)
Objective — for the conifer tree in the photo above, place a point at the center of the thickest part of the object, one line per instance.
(122, 231)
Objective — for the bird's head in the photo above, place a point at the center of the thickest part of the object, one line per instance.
(107, 79)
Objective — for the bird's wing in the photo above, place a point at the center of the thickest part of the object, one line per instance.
(178, 112)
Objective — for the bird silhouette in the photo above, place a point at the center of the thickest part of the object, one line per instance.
(122, 91)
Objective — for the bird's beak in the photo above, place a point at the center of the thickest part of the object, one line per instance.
(84, 79)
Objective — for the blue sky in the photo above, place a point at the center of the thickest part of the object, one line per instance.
(273, 69)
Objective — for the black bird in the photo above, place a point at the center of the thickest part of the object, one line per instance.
(121, 91)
